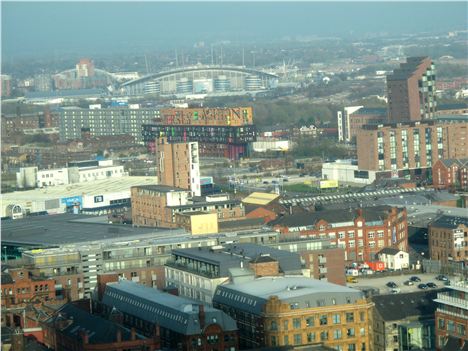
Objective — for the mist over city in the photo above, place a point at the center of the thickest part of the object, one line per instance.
(233, 176)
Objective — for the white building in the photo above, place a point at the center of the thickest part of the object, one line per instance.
(270, 145)
(347, 171)
(32, 177)
(394, 259)
(343, 122)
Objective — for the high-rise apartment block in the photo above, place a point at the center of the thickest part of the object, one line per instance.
(178, 165)
(220, 132)
(409, 148)
(411, 90)
(104, 121)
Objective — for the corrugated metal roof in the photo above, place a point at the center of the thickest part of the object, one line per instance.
(258, 198)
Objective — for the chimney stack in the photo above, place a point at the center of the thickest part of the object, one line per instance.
(119, 335)
(133, 334)
(201, 315)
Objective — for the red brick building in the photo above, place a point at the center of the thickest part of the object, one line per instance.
(450, 173)
(362, 233)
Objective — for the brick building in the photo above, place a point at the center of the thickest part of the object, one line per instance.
(352, 118)
(157, 205)
(178, 165)
(451, 318)
(73, 327)
(362, 233)
(220, 132)
(448, 239)
(184, 324)
(288, 311)
(411, 90)
(410, 149)
(450, 173)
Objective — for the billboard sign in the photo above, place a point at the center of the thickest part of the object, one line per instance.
(72, 201)
(327, 184)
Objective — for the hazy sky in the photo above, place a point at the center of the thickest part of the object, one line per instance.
(61, 27)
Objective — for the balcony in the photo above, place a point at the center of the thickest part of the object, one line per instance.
(451, 301)
(453, 314)
(183, 267)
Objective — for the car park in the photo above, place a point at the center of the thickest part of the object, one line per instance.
(408, 282)
(423, 286)
(415, 279)
(395, 290)
(431, 285)
(442, 277)
(391, 285)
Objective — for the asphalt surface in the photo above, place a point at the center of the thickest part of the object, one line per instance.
(380, 282)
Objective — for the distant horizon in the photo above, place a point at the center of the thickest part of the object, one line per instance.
(39, 29)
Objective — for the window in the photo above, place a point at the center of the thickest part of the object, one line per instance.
(296, 323)
(461, 329)
(337, 334)
(395, 338)
(323, 319)
(350, 332)
(285, 325)
(362, 331)
(310, 321)
(323, 336)
(450, 326)
(362, 316)
(352, 347)
(297, 339)
(441, 323)
(274, 326)
(349, 317)
(274, 341)
(310, 337)
(336, 318)
(286, 340)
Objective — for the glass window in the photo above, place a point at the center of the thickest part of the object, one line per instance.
(337, 334)
(296, 323)
(349, 317)
(297, 339)
(310, 337)
(285, 324)
(324, 336)
(274, 326)
(350, 332)
(310, 321)
(323, 319)
(336, 318)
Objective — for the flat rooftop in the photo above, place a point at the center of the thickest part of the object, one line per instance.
(64, 229)
(97, 187)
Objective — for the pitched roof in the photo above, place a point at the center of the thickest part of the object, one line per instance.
(389, 251)
(395, 307)
(99, 330)
(450, 222)
(370, 214)
(301, 292)
(259, 198)
(172, 312)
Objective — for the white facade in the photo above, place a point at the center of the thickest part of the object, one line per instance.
(270, 145)
(397, 261)
(177, 198)
(192, 285)
(344, 133)
(345, 171)
(31, 177)
(194, 160)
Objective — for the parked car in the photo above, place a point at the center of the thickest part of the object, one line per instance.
(392, 285)
(395, 290)
(408, 282)
(415, 279)
(431, 285)
(423, 286)
(265, 182)
(442, 277)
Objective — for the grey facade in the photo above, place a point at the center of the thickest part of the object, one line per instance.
(105, 121)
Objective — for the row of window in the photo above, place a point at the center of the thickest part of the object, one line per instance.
(323, 319)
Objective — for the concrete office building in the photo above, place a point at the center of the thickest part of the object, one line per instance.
(183, 324)
(410, 149)
(105, 121)
(178, 165)
(293, 311)
(197, 272)
(448, 239)
(411, 91)
(451, 318)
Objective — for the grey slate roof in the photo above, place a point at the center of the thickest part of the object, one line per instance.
(450, 222)
(304, 219)
(7, 279)
(172, 312)
(389, 251)
(99, 330)
(300, 292)
(289, 262)
(395, 307)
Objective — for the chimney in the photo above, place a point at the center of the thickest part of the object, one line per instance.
(119, 335)
(201, 315)
(85, 337)
(359, 212)
(133, 334)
